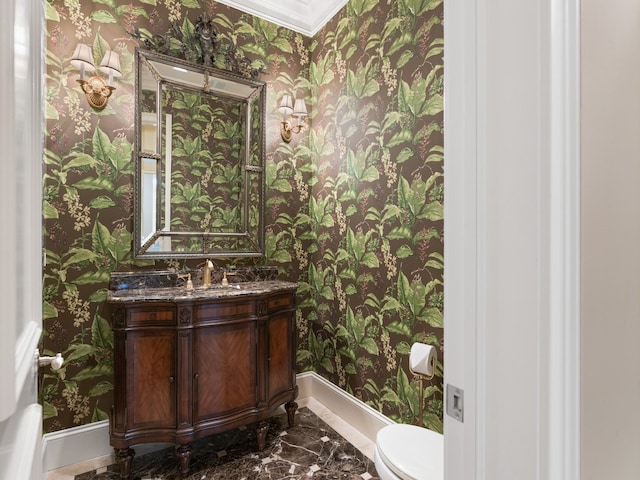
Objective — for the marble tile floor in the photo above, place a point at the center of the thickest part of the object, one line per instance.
(320, 446)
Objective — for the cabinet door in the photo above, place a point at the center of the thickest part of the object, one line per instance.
(280, 368)
(224, 370)
(151, 393)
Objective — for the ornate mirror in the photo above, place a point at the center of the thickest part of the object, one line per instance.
(200, 148)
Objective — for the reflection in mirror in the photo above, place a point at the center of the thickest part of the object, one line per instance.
(200, 160)
(148, 188)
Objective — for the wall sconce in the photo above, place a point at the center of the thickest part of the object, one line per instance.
(298, 112)
(95, 88)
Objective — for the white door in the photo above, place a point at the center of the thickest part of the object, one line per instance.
(21, 139)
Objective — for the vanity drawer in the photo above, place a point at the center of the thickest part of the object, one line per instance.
(280, 302)
(151, 316)
(208, 312)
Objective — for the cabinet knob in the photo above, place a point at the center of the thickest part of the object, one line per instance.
(196, 375)
(152, 316)
(171, 379)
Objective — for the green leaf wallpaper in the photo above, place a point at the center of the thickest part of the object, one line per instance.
(353, 204)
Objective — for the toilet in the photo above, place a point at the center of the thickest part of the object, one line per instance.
(409, 452)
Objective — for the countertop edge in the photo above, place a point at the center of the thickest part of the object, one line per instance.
(182, 295)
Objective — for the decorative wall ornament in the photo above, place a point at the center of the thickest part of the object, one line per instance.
(199, 44)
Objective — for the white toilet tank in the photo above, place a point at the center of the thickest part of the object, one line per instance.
(409, 452)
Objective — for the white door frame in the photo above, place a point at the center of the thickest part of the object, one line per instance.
(512, 245)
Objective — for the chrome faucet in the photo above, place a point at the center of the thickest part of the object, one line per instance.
(206, 273)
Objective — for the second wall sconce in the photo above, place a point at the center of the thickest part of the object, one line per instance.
(298, 113)
(96, 89)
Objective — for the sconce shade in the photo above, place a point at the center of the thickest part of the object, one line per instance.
(286, 105)
(83, 58)
(300, 108)
(111, 64)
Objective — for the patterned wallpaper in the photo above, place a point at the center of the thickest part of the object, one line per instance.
(354, 204)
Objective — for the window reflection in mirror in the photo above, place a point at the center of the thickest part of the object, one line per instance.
(149, 186)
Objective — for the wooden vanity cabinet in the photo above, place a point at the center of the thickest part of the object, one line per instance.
(145, 371)
(225, 363)
(280, 337)
(195, 367)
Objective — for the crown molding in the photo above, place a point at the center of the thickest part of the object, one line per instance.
(303, 16)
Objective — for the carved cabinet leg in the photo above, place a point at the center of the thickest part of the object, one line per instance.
(261, 435)
(291, 408)
(124, 456)
(184, 452)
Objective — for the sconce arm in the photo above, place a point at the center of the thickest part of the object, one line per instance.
(287, 129)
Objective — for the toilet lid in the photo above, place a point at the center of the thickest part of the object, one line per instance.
(412, 452)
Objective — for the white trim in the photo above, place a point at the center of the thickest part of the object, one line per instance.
(88, 442)
(563, 371)
(481, 333)
(475, 464)
(25, 348)
(355, 412)
(464, 365)
(8, 215)
(303, 17)
(76, 444)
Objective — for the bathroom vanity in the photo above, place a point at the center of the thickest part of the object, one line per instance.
(193, 362)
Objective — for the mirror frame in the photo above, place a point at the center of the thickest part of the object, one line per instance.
(256, 239)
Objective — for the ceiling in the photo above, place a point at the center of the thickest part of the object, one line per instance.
(304, 16)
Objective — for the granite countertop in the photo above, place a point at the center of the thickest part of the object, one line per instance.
(182, 294)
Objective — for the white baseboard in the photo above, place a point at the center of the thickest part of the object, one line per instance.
(76, 445)
(355, 412)
(80, 444)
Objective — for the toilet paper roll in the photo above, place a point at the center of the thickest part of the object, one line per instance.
(423, 359)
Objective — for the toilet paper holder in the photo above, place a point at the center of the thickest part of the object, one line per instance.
(422, 376)
(432, 363)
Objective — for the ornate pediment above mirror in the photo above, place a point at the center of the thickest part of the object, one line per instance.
(200, 149)
(199, 44)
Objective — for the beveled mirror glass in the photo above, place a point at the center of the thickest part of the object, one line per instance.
(200, 147)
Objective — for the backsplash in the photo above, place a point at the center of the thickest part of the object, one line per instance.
(353, 205)
(172, 278)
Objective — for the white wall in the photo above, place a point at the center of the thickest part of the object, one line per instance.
(610, 239)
